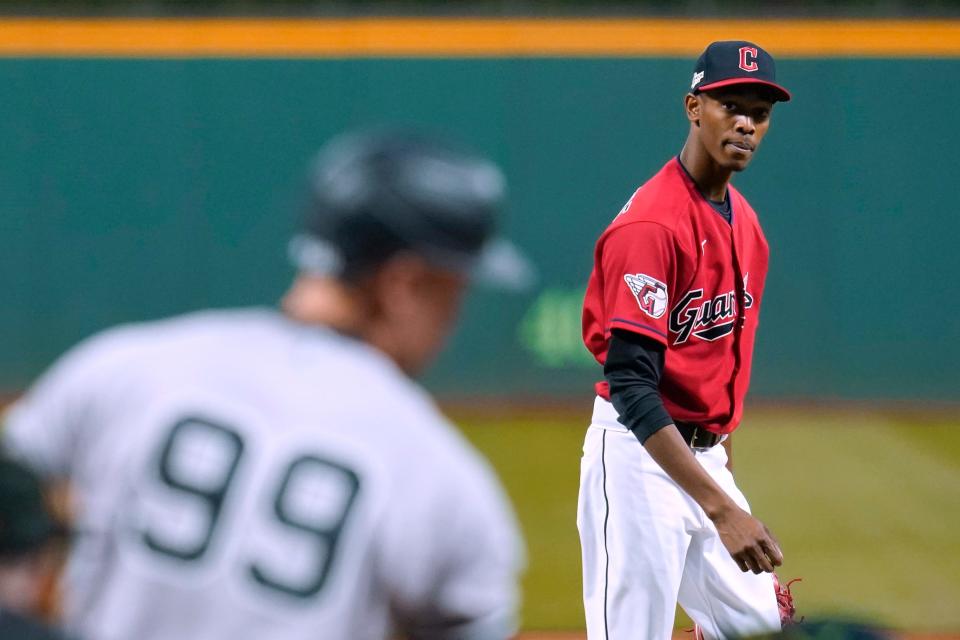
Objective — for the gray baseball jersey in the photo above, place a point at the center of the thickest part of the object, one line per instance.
(240, 475)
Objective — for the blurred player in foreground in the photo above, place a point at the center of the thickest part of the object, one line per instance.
(255, 474)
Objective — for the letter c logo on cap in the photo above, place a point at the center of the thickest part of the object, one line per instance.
(748, 58)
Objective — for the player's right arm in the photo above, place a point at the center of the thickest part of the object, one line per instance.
(633, 367)
(44, 427)
(748, 540)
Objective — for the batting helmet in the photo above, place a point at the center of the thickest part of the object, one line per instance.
(374, 194)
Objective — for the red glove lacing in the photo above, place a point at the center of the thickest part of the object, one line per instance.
(785, 602)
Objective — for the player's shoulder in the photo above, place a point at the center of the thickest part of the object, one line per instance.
(135, 337)
(103, 349)
(659, 212)
(209, 324)
(131, 345)
(420, 442)
(664, 200)
(424, 432)
(432, 459)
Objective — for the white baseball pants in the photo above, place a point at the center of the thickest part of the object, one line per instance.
(647, 545)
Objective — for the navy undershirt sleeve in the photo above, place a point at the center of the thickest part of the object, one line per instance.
(633, 369)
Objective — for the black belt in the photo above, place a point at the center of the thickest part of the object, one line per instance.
(696, 436)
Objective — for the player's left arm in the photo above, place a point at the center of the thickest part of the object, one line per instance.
(480, 589)
(456, 567)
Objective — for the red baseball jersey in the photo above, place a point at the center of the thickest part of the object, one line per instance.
(671, 268)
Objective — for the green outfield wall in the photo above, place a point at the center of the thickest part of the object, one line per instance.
(137, 188)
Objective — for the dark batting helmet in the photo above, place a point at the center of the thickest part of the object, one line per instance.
(374, 194)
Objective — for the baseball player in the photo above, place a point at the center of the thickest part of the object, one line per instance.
(671, 313)
(263, 474)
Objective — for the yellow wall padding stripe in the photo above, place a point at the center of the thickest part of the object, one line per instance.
(455, 37)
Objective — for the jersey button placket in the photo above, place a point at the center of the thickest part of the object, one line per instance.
(741, 310)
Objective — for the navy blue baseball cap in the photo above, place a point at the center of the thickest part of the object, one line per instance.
(732, 62)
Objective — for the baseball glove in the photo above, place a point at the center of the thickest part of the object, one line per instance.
(785, 602)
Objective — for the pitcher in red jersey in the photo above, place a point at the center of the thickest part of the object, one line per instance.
(671, 313)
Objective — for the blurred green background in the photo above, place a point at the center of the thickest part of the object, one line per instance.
(136, 188)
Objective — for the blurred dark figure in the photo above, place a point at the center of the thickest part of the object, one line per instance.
(829, 629)
(28, 538)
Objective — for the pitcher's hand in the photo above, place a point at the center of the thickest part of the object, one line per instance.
(748, 540)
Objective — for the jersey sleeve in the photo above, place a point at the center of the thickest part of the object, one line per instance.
(639, 270)
(633, 370)
(45, 427)
(454, 559)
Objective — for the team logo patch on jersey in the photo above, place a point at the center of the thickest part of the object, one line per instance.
(651, 294)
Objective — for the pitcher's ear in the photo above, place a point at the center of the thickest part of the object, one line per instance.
(692, 105)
